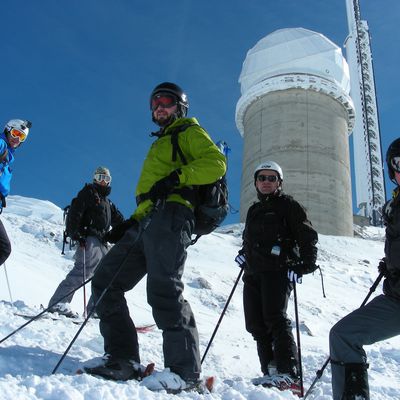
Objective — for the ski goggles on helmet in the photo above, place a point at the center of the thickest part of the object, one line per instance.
(102, 177)
(15, 133)
(269, 178)
(395, 163)
(163, 100)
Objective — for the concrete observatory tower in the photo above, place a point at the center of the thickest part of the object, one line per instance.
(295, 109)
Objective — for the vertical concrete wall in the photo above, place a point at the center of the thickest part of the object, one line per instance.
(306, 133)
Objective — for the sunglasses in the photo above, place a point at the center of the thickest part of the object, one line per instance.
(163, 101)
(269, 178)
(15, 133)
(395, 162)
(102, 177)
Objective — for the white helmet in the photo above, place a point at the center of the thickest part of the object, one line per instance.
(271, 165)
(21, 125)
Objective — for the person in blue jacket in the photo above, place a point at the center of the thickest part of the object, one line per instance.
(15, 132)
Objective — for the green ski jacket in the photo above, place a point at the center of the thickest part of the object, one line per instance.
(205, 163)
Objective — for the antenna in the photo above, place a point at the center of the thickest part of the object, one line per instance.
(370, 182)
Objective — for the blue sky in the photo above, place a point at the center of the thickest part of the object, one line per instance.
(82, 71)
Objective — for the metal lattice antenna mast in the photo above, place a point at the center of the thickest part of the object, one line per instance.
(370, 184)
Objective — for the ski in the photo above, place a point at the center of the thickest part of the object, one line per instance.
(145, 328)
(76, 321)
(204, 386)
(49, 317)
(99, 372)
(292, 387)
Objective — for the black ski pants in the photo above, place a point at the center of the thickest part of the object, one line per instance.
(5, 245)
(265, 300)
(160, 252)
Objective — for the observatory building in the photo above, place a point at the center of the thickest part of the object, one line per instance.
(295, 109)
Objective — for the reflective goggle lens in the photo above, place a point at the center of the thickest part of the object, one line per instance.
(269, 178)
(163, 101)
(395, 162)
(15, 133)
(102, 177)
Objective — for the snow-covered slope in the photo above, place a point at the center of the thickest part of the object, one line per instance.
(36, 266)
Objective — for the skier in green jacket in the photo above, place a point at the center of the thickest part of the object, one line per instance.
(154, 241)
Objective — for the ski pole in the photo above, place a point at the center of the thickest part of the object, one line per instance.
(321, 371)
(34, 318)
(8, 283)
(84, 279)
(86, 320)
(296, 312)
(222, 315)
(64, 241)
(140, 233)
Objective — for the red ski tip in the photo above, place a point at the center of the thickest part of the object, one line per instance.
(209, 383)
(149, 370)
(145, 328)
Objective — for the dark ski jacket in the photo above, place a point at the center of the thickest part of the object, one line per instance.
(92, 213)
(277, 233)
(391, 211)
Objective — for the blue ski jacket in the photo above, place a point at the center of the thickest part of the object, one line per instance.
(6, 159)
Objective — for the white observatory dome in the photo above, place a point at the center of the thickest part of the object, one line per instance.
(294, 58)
(294, 51)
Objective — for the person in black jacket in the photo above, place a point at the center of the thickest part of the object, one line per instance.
(279, 246)
(380, 318)
(89, 218)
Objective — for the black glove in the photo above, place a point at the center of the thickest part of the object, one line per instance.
(382, 267)
(116, 233)
(302, 268)
(241, 259)
(162, 188)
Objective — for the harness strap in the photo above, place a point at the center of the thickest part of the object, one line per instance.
(186, 192)
(176, 149)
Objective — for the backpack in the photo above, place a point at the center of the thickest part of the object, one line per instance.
(65, 234)
(66, 222)
(211, 204)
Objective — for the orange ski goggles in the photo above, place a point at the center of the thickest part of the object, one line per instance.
(15, 133)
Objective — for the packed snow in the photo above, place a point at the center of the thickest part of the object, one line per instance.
(36, 267)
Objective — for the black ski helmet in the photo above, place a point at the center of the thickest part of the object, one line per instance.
(175, 90)
(392, 151)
